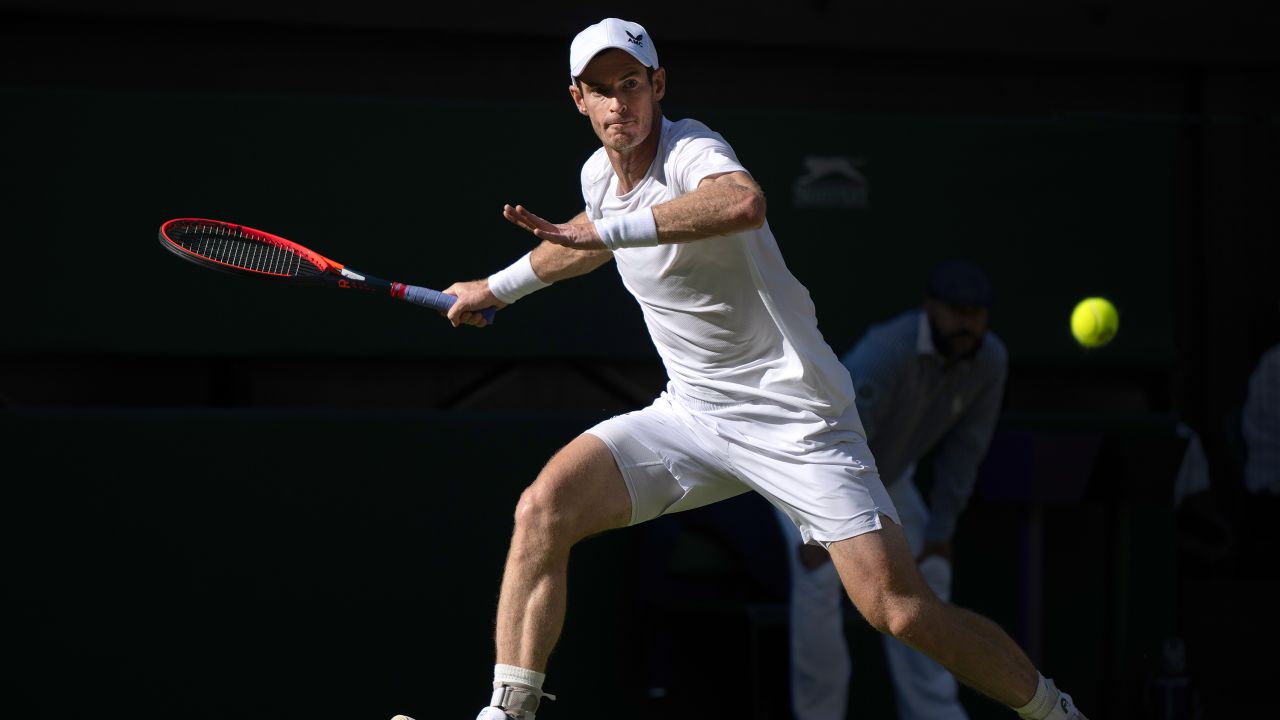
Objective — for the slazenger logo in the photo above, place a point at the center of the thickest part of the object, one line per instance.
(831, 181)
(637, 39)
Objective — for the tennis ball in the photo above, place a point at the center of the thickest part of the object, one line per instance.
(1094, 322)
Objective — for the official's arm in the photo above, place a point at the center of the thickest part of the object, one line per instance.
(956, 464)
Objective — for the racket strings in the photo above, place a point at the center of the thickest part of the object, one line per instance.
(233, 246)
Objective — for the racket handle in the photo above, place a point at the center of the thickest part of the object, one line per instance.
(438, 300)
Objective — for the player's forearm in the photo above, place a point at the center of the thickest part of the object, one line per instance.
(554, 262)
(716, 208)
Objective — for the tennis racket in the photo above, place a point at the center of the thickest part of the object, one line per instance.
(244, 251)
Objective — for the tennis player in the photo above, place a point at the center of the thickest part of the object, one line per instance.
(755, 400)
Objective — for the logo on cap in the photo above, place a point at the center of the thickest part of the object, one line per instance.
(635, 39)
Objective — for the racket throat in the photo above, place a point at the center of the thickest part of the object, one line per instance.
(348, 279)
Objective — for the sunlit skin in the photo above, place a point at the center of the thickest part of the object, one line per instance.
(624, 106)
(622, 101)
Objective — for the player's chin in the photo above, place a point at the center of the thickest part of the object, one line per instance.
(621, 139)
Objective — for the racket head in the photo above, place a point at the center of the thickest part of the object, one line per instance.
(242, 250)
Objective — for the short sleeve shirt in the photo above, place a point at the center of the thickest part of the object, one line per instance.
(729, 320)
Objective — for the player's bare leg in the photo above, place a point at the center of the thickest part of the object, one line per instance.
(579, 493)
(881, 577)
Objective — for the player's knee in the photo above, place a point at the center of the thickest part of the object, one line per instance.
(577, 494)
(537, 511)
(903, 617)
(875, 615)
(548, 509)
(907, 622)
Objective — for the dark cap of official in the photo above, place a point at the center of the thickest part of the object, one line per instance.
(959, 282)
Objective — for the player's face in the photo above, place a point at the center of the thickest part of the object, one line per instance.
(957, 329)
(615, 92)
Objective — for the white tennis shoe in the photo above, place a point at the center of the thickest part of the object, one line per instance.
(1065, 709)
(520, 702)
(489, 713)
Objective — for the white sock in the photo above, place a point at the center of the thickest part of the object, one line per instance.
(1042, 703)
(510, 674)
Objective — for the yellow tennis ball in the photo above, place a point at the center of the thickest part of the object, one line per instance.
(1094, 322)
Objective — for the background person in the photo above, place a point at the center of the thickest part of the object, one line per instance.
(930, 379)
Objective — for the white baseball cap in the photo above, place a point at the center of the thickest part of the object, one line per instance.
(611, 33)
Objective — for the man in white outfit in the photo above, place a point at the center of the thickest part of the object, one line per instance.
(756, 399)
(930, 379)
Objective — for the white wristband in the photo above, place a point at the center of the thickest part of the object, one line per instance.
(634, 229)
(516, 281)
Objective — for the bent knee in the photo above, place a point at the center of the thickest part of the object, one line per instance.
(905, 617)
(908, 624)
(568, 502)
(545, 508)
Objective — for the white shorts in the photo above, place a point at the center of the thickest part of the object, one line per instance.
(674, 458)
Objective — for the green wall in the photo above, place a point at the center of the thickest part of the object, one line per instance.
(1056, 206)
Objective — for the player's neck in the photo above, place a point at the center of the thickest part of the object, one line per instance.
(632, 165)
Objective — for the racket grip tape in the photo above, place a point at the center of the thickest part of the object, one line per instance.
(438, 301)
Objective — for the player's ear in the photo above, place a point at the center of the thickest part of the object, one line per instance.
(660, 83)
(576, 94)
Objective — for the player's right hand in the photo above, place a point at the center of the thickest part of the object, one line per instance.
(473, 296)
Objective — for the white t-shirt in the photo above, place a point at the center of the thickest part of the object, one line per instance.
(729, 320)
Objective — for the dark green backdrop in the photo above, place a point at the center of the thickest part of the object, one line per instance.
(347, 562)
(1057, 207)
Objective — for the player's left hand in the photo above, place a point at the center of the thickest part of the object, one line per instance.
(578, 237)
